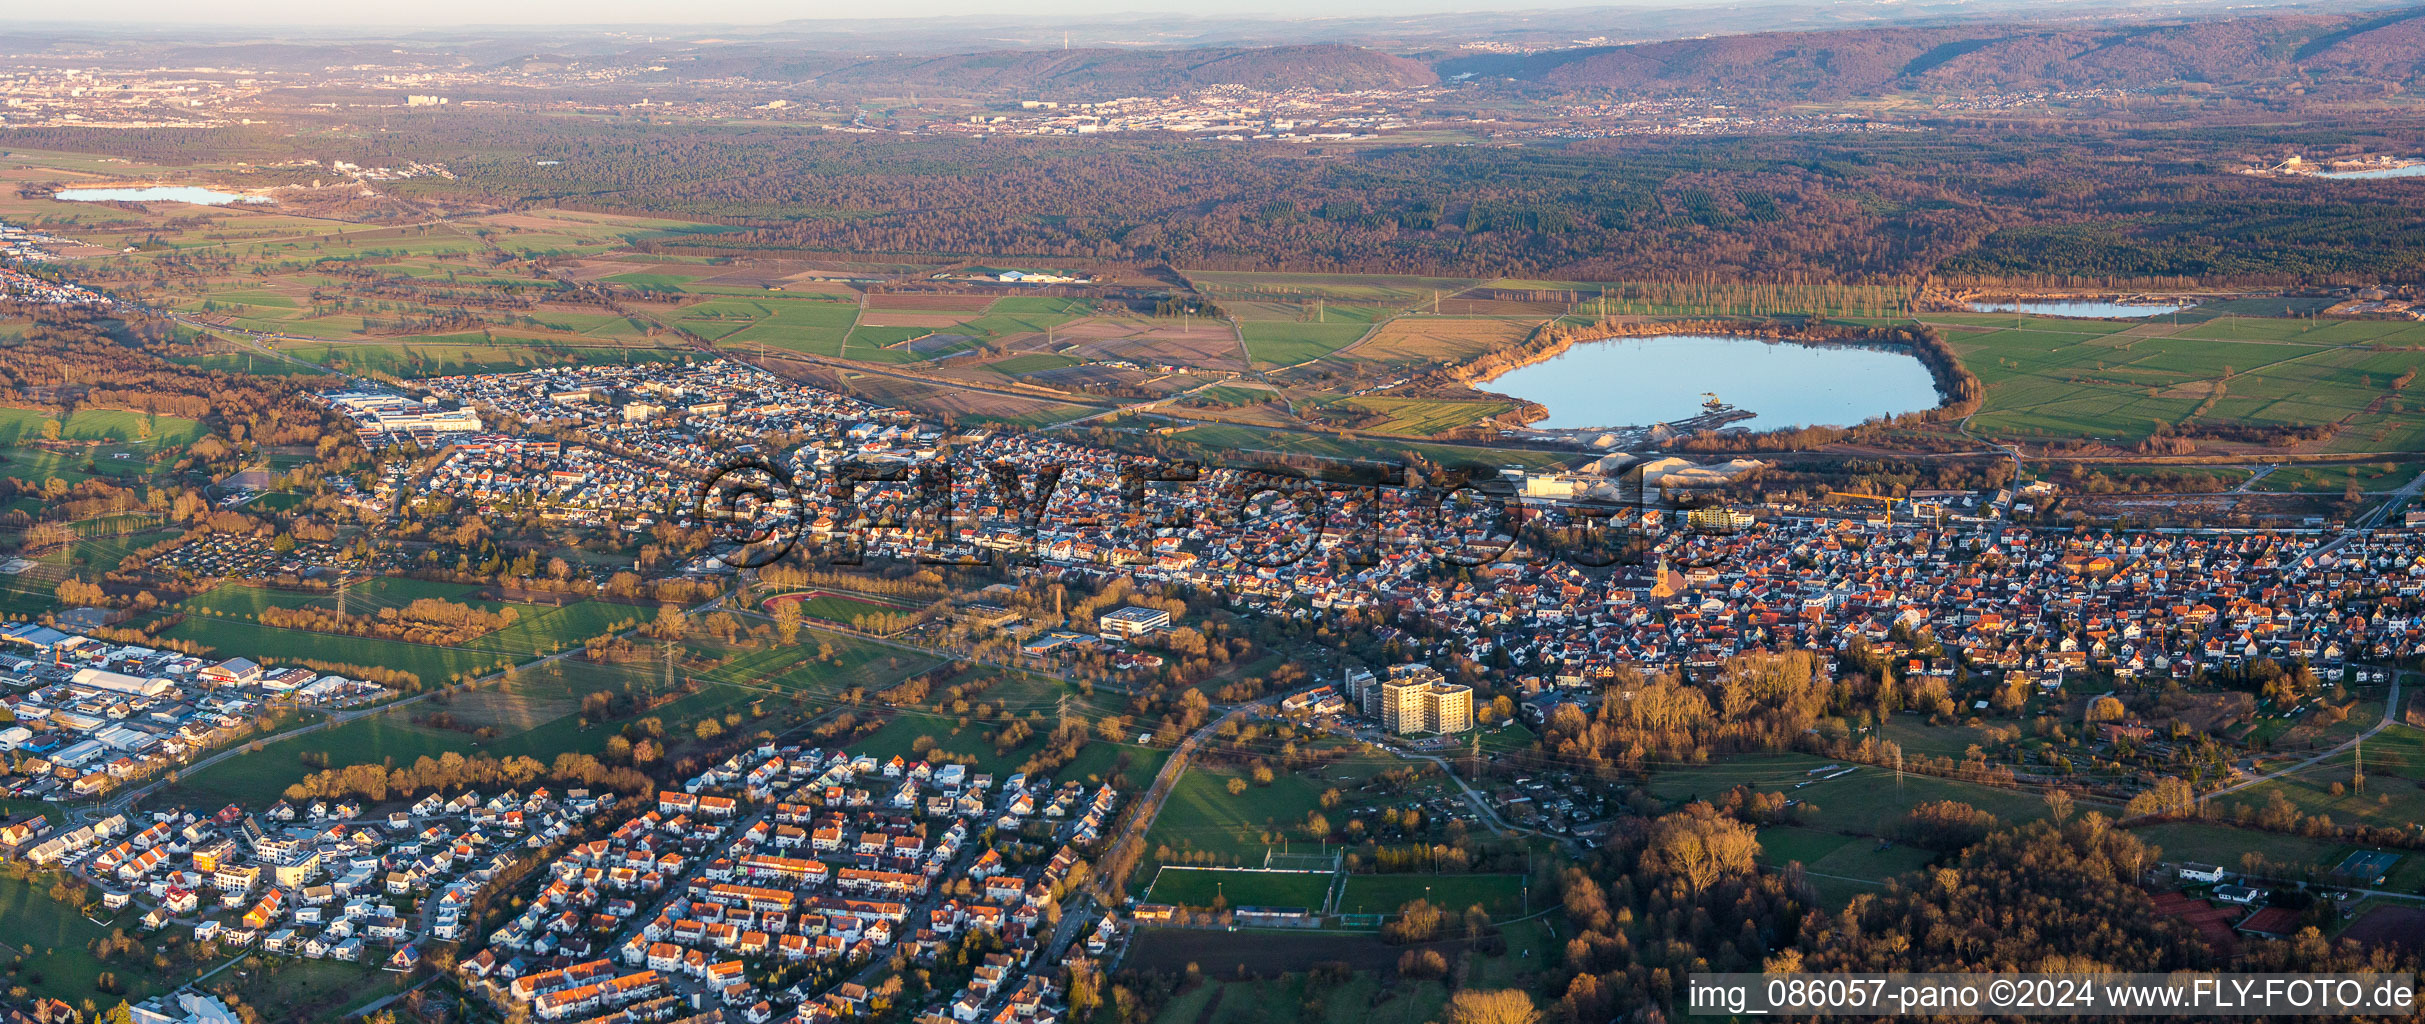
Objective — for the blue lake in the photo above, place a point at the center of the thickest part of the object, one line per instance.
(2085, 308)
(2410, 171)
(156, 194)
(1627, 382)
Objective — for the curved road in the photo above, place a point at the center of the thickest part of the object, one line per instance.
(121, 801)
(2391, 713)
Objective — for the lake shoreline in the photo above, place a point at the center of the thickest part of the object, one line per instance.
(2079, 306)
(161, 192)
(1545, 347)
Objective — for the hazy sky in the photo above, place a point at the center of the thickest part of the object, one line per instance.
(452, 13)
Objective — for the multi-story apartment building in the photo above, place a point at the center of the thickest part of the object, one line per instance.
(1414, 698)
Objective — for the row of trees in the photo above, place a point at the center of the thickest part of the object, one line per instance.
(453, 772)
(427, 620)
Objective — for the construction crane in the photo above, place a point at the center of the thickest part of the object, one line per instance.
(1888, 502)
(1890, 505)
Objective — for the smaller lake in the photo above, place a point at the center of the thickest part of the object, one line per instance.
(2082, 308)
(1627, 382)
(156, 194)
(2410, 171)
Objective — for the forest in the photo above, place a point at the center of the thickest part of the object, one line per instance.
(1971, 202)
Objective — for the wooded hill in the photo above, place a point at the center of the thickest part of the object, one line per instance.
(1090, 73)
(2300, 50)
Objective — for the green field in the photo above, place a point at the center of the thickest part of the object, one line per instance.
(2260, 306)
(1423, 416)
(971, 744)
(813, 326)
(1236, 438)
(2223, 844)
(1367, 996)
(538, 630)
(1839, 866)
(1196, 887)
(60, 965)
(2050, 377)
(842, 609)
(665, 280)
(1383, 288)
(107, 444)
(1041, 304)
(310, 989)
(431, 355)
(1287, 343)
(37, 465)
(1500, 896)
(1031, 363)
(1201, 815)
(970, 739)
(1101, 761)
(18, 426)
(536, 713)
(363, 598)
(1869, 802)
(2334, 479)
(2390, 798)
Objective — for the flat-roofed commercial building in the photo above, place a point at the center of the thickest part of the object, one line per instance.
(1133, 623)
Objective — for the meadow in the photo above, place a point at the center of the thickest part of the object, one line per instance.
(2118, 382)
(1031, 363)
(1417, 340)
(1500, 896)
(1422, 416)
(535, 713)
(1868, 802)
(1200, 887)
(952, 733)
(2389, 798)
(1405, 290)
(840, 609)
(2223, 844)
(1363, 999)
(1236, 438)
(1280, 334)
(1201, 816)
(116, 426)
(227, 624)
(2337, 478)
(1839, 866)
(58, 936)
(1280, 989)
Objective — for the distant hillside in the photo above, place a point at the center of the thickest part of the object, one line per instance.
(1086, 73)
(2375, 48)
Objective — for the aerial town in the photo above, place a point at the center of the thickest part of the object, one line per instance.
(1263, 513)
(113, 714)
(2127, 605)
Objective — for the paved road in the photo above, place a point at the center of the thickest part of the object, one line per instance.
(947, 653)
(1473, 796)
(119, 802)
(2388, 894)
(1148, 405)
(128, 798)
(2374, 517)
(1109, 890)
(2391, 713)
